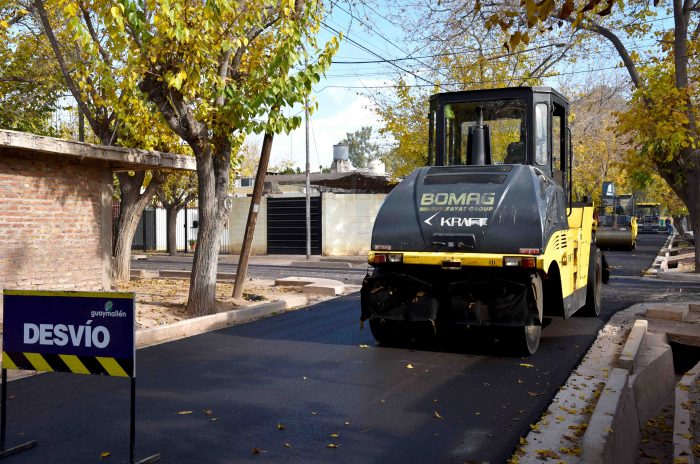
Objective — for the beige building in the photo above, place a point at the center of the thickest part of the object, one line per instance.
(56, 209)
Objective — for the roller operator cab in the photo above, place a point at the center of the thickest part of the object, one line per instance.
(487, 233)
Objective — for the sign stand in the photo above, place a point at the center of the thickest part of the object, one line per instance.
(132, 430)
(76, 332)
(3, 425)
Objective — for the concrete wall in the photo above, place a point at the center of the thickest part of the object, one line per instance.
(236, 226)
(347, 222)
(55, 222)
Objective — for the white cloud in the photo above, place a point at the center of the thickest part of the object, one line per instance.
(340, 110)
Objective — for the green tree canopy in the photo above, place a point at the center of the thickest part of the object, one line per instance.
(361, 148)
(214, 72)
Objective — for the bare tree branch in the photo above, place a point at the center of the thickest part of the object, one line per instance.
(590, 25)
(175, 110)
(88, 22)
(48, 30)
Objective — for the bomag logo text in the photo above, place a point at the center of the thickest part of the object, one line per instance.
(458, 199)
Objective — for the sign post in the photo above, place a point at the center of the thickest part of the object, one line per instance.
(75, 332)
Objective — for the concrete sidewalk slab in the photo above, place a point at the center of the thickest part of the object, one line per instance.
(314, 285)
(684, 433)
(324, 289)
(668, 311)
(676, 276)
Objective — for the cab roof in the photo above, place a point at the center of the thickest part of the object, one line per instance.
(505, 92)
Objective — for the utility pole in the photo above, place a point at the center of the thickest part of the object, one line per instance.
(242, 268)
(308, 182)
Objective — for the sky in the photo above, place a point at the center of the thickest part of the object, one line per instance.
(342, 106)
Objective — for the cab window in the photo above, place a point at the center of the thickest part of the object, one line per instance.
(541, 134)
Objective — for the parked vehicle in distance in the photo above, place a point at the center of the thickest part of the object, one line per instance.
(617, 224)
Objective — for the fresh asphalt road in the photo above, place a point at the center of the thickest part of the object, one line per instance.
(283, 388)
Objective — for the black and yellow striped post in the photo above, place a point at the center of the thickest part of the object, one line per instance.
(76, 332)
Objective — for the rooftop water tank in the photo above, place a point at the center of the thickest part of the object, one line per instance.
(377, 167)
(340, 152)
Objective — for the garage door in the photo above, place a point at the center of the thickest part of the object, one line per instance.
(286, 225)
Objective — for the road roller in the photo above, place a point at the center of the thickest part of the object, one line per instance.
(487, 234)
(617, 224)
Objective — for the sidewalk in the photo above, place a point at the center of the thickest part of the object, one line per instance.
(624, 403)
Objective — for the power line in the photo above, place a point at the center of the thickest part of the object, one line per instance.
(437, 55)
(357, 44)
(390, 42)
(488, 81)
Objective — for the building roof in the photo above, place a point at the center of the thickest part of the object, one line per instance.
(120, 159)
(352, 181)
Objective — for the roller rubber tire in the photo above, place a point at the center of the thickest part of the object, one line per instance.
(525, 340)
(388, 332)
(595, 284)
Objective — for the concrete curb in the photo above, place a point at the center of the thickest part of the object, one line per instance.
(186, 275)
(612, 436)
(200, 325)
(635, 342)
(677, 276)
(324, 264)
(654, 377)
(683, 432)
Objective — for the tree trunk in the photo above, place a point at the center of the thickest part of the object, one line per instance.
(129, 218)
(213, 207)
(171, 213)
(132, 204)
(693, 205)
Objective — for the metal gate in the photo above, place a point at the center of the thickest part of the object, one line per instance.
(145, 235)
(286, 225)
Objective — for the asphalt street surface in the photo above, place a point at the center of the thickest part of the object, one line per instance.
(284, 388)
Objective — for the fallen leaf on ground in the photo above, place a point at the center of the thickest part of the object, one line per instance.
(533, 394)
(184, 413)
(409, 366)
(364, 346)
(334, 435)
(280, 426)
(287, 445)
(257, 451)
(547, 454)
(437, 415)
(525, 365)
(208, 412)
(332, 445)
(105, 454)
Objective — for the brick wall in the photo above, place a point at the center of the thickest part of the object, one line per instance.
(54, 223)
